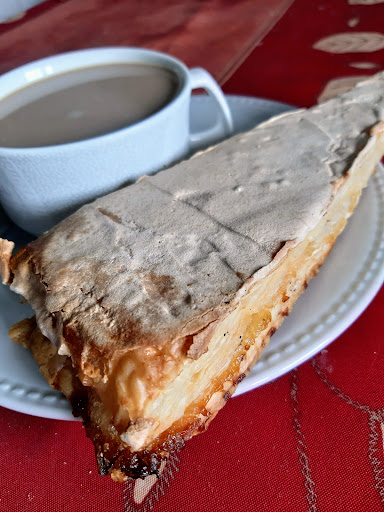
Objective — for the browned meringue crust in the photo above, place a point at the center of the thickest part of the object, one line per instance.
(148, 358)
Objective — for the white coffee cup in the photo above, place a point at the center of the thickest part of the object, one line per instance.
(41, 185)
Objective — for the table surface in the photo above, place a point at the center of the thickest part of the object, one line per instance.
(313, 439)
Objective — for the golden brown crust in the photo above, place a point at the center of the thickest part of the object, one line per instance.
(61, 375)
(378, 129)
(260, 310)
(149, 353)
(6, 249)
(112, 456)
(57, 370)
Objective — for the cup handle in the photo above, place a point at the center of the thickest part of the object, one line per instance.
(201, 79)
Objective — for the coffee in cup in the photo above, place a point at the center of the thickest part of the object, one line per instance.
(95, 100)
(132, 118)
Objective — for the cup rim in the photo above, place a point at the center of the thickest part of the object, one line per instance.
(174, 65)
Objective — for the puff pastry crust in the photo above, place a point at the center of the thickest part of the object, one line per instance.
(153, 303)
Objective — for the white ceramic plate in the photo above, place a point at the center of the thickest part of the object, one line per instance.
(348, 281)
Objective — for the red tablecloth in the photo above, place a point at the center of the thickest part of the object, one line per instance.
(313, 439)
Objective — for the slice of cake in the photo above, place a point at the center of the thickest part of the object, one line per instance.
(152, 303)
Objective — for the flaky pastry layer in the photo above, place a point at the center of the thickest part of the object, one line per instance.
(133, 435)
(153, 302)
